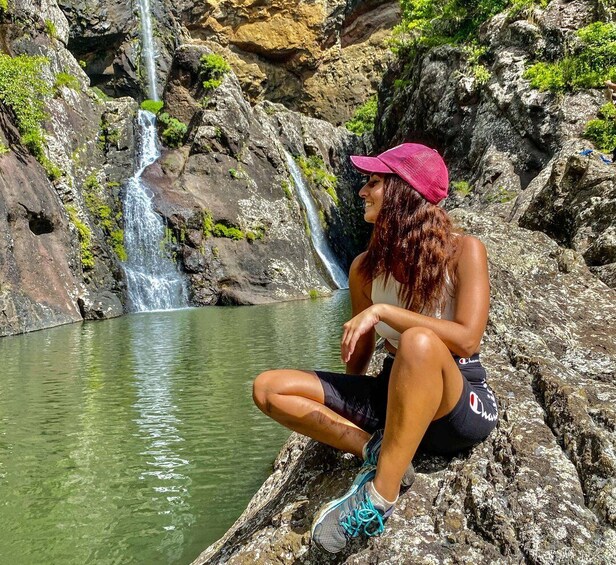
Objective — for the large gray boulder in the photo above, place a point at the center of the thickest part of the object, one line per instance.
(541, 489)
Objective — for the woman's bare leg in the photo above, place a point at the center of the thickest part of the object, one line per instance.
(296, 400)
(425, 384)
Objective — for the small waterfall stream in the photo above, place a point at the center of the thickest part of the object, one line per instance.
(153, 280)
(147, 47)
(319, 239)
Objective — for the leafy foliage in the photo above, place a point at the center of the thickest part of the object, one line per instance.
(66, 80)
(213, 69)
(153, 106)
(591, 63)
(314, 170)
(462, 187)
(432, 23)
(363, 118)
(602, 131)
(23, 89)
(85, 238)
(174, 131)
(221, 230)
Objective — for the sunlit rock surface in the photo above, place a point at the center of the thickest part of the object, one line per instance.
(541, 489)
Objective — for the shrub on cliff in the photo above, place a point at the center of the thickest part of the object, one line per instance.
(23, 89)
(153, 106)
(589, 65)
(213, 69)
(174, 131)
(602, 131)
(363, 118)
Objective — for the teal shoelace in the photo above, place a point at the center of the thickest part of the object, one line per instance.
(365, 519)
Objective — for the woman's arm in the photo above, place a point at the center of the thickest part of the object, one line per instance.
(462, 335)
(357, 363)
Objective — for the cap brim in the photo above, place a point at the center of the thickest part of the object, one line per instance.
(369, 165)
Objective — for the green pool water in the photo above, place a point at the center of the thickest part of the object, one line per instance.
(135, 440)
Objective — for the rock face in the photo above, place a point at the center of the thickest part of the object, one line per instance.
(540, 489)
(58, 264)
(498, 135)
(105, 35)
(319, 57)
(233, 175)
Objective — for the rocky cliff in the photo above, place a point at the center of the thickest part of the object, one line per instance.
(541, 489)
(318, 57)
(57, 259)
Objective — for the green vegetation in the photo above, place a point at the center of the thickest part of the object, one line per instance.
(363, 118)
(313, 293)
(51, 29)
(236, 174)
(66, 80)
(314, 170)
(4, 149)
(462, 187)
(174, 131)
(104, 215)
(108, 136)
(23, 90)
(85, 238)
(286, 188)
(208, 223)
(501, 196)
(82, 64)
(589, 65)
(602, 130)
(213, 69)
(221, 230)
(426, 23)
(474, 52)
(100, 94)
(153, 106)
(4, 5)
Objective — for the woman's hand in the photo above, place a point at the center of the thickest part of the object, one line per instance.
(355, 328)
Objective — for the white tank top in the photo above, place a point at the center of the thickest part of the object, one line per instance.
(388, 294)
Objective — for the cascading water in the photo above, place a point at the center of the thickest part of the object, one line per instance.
(147, 47)
(319, 240)
(153, 281)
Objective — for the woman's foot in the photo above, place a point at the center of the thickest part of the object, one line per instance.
(371, 452)
(360, 512)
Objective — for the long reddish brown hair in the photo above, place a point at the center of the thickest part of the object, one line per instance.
(413, 241)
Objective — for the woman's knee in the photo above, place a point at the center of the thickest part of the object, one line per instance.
(419, 345)
(262, 387)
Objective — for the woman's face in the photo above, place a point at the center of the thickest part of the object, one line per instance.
(372, 193)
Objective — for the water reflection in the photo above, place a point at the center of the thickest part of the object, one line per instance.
(135, 440)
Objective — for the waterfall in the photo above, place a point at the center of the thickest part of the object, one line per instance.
(153, 281)
(152, 278)
(148, 50)
(319, 239)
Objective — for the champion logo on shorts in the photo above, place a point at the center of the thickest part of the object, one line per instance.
(467, 360)
(477, 406)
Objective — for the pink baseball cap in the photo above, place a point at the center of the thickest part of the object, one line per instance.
(422, 167)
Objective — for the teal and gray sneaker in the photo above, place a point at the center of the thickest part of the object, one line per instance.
(352, 515)
(371, 452)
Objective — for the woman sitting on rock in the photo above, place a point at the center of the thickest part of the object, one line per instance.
(425, 289)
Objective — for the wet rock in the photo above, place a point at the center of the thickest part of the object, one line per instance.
(231, 183)
(540, 489)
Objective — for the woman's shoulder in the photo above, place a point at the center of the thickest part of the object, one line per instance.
(471, 251)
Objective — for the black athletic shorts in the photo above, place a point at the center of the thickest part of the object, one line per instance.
(363, 400)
